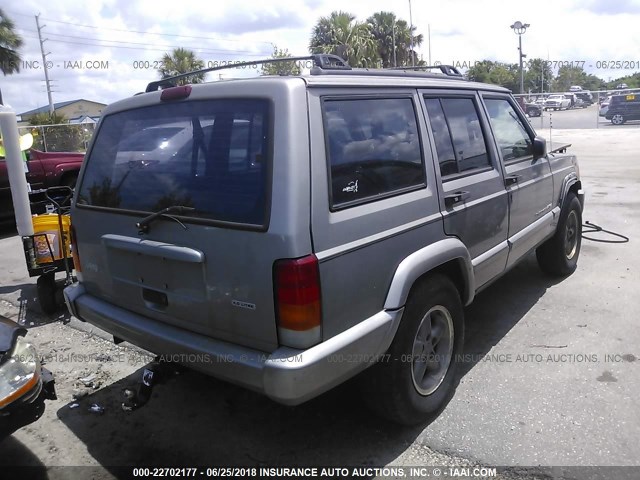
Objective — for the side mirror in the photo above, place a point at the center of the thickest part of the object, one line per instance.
(539, 148)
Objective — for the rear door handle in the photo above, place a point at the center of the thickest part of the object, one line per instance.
(457, 197)
(512, 179)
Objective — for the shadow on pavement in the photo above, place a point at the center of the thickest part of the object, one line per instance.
(8, 229)
(192, 419)
(496, 310)
(196, 420)
(14, 453)
(30, 314)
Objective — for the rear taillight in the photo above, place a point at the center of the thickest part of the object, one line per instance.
(297, 294)
(74, 250)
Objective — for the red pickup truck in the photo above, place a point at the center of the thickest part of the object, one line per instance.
(46, 169)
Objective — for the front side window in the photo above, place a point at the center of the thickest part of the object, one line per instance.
(459, 140)
(513, 138)
(206, 155)
(374, 148)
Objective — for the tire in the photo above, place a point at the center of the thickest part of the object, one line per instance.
(617, 119)
(558, 256)
(46, 288)
(394, 387)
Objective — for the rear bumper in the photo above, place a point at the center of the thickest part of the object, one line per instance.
(286, 375)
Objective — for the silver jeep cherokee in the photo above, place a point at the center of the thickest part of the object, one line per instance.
(285, 233)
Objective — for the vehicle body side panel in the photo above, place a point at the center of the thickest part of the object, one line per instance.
(360, 247)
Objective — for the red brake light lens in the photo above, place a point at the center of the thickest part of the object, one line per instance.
(175, 93)
(297, 284)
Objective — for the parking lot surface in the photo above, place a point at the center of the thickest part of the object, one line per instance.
(579, 118)
(551, 377)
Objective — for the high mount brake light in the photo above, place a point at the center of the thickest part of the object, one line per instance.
(175, 93)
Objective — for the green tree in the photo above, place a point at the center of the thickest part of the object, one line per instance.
(10, 42)
(280, 68)
(568, 75)
(341, 35)
(63, 137)
(389, 32)
(497, 73)
(538, 77)
(179, 61)
(632, 81)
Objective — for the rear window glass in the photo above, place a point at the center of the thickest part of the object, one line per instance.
(207, 155)
(631, 98)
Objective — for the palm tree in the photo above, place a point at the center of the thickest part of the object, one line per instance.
(10, 42)
(383, 26)
(180, 61)
(341, 35)
(390, 32)
(404, 34)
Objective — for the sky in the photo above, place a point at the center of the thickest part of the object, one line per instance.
(108, 49)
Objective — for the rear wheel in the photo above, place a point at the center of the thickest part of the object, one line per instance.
(46, 288)
(558, 256)
(418, 374)
(617, 119)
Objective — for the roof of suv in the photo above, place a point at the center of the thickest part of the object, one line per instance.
(395, 78)
(331, 70)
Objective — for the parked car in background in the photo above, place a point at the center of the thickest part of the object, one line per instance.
(314, 228)
(533, 109)
(604, 106)
(557, 101)
(579, 103)
(572, 99)
(575, 88)
(45, 169)
(623, 108)
(586, 97)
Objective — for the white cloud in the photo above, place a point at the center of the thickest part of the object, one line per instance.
(461, 31)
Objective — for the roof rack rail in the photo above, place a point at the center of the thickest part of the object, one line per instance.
(448, 70)
(386, 72)
(321, 60)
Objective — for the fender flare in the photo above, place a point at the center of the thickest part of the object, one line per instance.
(567, 182)
(425, 260)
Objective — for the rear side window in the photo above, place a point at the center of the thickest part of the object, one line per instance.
(207, 155)
(459, 140)
(374, 148)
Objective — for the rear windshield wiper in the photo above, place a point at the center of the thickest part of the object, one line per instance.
(143, 225)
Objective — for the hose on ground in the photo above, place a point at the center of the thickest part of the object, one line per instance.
(593, 228)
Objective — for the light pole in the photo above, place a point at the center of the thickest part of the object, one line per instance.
(413, 62)
(519, 28)
(395, 59)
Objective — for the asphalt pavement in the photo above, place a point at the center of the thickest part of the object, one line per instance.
(552, 375)
(555, 373)
(579, 118)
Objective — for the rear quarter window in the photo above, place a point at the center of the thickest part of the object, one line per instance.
(373, 148)
(208, 155)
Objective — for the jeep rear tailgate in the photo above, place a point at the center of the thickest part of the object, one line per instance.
(205, 265)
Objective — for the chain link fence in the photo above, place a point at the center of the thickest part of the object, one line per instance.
(65, 137)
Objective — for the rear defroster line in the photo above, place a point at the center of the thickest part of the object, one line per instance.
(593, 228)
